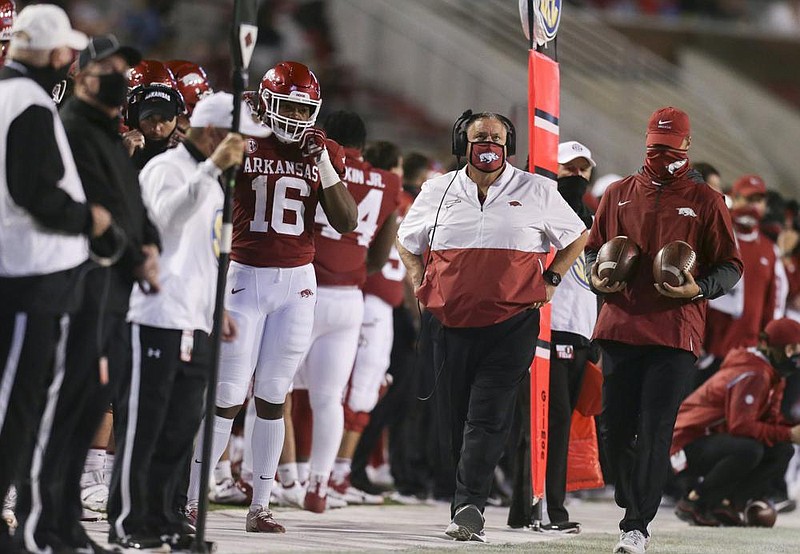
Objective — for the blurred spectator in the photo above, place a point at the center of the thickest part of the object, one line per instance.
(710, 175)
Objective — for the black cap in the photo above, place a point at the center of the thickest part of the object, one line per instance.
(157, 100)
(104, 46)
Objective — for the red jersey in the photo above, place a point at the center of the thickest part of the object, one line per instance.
(341, 260)
(387, 284)
(727, 329)
(743, 399)
(653, 215)
(274, 204)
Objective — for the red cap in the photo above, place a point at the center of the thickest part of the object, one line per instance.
(668, 126)
(748, 185)
(782, 332)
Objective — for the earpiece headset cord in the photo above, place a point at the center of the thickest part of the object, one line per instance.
(419, 306)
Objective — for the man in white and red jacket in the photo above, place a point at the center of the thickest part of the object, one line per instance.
(730, 437)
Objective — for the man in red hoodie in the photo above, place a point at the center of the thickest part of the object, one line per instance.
(651, 333)
(735, 320)
(730, 438)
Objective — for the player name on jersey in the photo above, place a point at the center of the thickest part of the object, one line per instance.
(266, 166)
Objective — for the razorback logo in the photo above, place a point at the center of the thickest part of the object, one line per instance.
(515, 203)
(688, 212)
(306, 293)
(488, 157)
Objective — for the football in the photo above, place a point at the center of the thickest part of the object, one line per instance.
(617, 259)
(759, 513)
(671, 261)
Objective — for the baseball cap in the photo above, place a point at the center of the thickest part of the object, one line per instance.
(749, 185)
(105, 46)
(570, 150)
(216, 110)
(45, 27)
(782, 332)
(668, 126)
(158, 101)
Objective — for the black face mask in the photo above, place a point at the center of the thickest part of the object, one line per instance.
(113, 90)
(572, 189)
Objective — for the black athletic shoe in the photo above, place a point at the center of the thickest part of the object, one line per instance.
(694, 514)
(560, 528)
(139, 541)
(467, 524)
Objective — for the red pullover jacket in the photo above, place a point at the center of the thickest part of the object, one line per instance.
(653, 215)
(743, 399)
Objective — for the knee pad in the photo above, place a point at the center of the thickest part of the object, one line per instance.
(355, 421)
(231, 394)
(361, 400)
(273, 389)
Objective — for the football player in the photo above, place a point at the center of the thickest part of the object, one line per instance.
(7, 14)
(341, 264)
(271, 284)
(193, 85)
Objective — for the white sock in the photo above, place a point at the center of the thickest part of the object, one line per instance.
(303, 471)
(321, 480)
(267, 445)
(95, 460)
(341, 469)
(326, 436)
(108, 465)
(287, 474)
(222, 432)
(222, 471)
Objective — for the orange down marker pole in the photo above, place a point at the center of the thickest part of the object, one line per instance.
(543, 114)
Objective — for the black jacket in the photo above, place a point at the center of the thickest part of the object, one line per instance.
(110, 179)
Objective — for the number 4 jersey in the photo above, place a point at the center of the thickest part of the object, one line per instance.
(341, 260)
(274, 204)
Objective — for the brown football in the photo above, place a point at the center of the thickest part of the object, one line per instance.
(671, 261)
(617, 259)
(759, 513)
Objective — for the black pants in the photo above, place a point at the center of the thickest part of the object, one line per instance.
(735, 468)
(481, 369)
(32, 346)
(568, 357)
(642, 390)
(155, 423)
(83, 400)
(520, 512)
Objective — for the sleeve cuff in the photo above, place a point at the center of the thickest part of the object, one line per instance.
(210, 168)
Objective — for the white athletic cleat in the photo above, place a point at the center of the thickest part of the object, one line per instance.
(351, 495)
(631, 542)
(191, 513)
(230, 492)
(260, 520)
(9, 504)
(290, 497)
(94, 492)
(381, 475)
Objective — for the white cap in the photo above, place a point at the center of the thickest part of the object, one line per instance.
(46, 27)
(602, 183)
(216, 110)
(568, 151)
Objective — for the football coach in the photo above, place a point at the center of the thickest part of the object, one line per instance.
(475, 243)
(44, 226)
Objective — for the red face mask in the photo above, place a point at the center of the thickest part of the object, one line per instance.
(487, 156)
(666, 164)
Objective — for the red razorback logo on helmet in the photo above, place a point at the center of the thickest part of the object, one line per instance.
(306, 293)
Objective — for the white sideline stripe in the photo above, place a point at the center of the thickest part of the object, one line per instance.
(10, 371)
(130, 433)
(546, 125)
(43, 438)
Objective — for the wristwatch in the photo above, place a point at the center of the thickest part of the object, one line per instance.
(552, 277)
